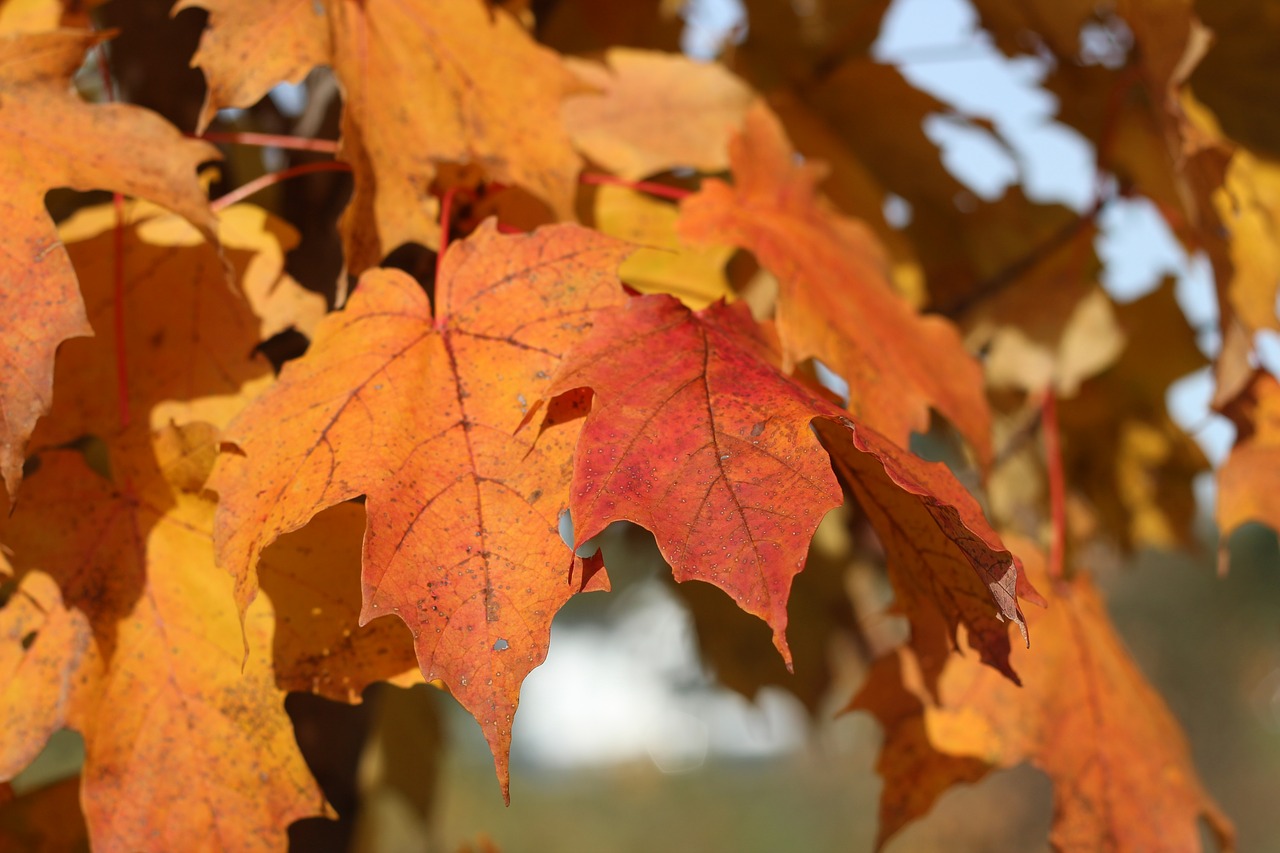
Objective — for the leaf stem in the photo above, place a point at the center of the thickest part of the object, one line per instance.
(1057, 482)
(661, 190)
(271, 140)
(271, 178)
(446, 214)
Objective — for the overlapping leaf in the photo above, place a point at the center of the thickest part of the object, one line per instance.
(423, 82)
(695, 435)
(1249, 204)
(417, 412)
(943, 556)
(190, 336)
(656, 111)
(1122, 773)
(50, 138)
(47, 819)
(1249, 481)
(836, 303)
(135, 628)
(154, 663)
(1121, 449)
(39, 638)
(662, 262)
(312, 577)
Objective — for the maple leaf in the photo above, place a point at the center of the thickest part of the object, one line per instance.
(155, 669)
(654, 112)
(662, 262)
(50, 138)
(418, 413)
(1248, 204)
(711, 448)
(836, 303)
(423, 82)
(1121, 449)
(312, 577)
(135, 614)
(1235, 76)
(706, 445)
(820, 618)
(34, 16)
(1122, 773)
(1054, 332)
(943, 556)
(193, 335)
(36, 636)
(1249, 481)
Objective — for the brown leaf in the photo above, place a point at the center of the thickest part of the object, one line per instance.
(1122, 773)
(1121, 449)
(1239, 71)
(50, 138)
(47, 820)
(417, 412)
(943, 557)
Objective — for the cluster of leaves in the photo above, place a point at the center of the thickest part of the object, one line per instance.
(178, 540)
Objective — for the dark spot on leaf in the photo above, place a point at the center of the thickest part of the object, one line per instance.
(501, 645)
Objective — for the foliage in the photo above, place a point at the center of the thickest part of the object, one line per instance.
(627, 272)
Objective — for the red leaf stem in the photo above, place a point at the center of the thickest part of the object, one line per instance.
(661, 190)
(272, 140)
(1057, 482)
(258, 184)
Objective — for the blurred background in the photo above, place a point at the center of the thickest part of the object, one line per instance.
(627, 741)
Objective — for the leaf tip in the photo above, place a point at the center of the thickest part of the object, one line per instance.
(780, 643)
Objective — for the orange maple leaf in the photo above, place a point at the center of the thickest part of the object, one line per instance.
(1249, 481)
(138, 632)
(423, 82)
(655, 111)
(50, 138)
(835, 302)
(312, 577)
(417, 412)
(140, 627)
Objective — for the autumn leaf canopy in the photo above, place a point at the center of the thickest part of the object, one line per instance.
(372, 426)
